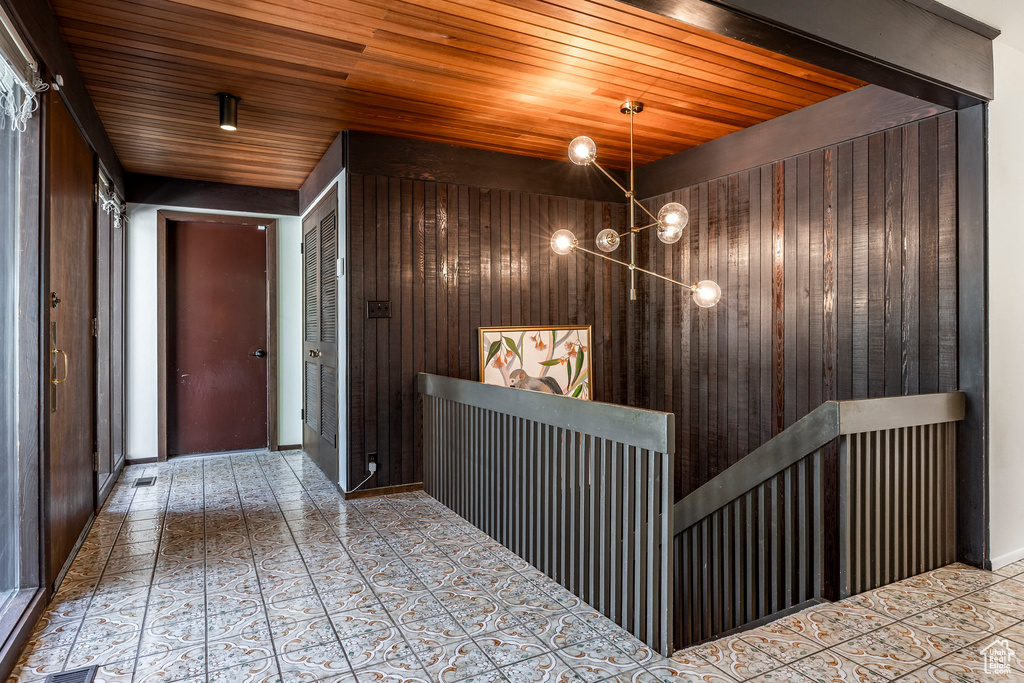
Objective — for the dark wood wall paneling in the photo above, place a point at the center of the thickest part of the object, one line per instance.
(452, 258)
(839, 276)
(838, 267)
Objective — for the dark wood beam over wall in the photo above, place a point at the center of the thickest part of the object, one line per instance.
(202, 194)
(891, 43)
(851, 115)
(372, 154)
(326, 170)
(38, 27)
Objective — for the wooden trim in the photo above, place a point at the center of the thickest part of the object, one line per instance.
(33, 605)
(973, 541)
(202, 194)
(272, 348)
(38, 27)
(382, 491)
(161, 335)
(395, 157)
(877, 41)
(162, 218)
(323, 174)
(854, 114)
(288, 447)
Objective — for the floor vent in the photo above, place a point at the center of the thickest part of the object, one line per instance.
(145, 481)
(84, 675)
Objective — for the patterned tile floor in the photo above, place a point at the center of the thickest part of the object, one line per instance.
(252, 568)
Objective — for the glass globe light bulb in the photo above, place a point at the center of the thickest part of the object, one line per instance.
(608, 240)
(707, 293)
(673, 215)
(670, 234)
(563, 242)
(582, 150)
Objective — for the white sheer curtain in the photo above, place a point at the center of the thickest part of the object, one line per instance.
(20, 84)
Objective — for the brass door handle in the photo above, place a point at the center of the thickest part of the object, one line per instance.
(65, 357)
(315, 353)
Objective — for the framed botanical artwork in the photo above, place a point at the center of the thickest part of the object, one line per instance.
(551, 360)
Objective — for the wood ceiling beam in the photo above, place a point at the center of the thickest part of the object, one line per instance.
(892, 43)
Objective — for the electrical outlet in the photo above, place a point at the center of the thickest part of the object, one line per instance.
(378, 309)
(371, 462)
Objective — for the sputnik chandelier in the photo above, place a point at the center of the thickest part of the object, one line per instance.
(671, 221)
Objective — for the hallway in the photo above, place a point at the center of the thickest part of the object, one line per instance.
(252, 568)
(299, 585)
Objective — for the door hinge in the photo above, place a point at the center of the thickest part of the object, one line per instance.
(95, 327)
(95, 461)
(96, 190)
(302, 413)
(302, 247)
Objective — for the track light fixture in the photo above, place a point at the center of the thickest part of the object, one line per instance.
(670, 222)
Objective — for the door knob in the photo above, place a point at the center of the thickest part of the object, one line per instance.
(315, 353)
(259, 353)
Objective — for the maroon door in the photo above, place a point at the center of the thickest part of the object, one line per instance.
(216, 338)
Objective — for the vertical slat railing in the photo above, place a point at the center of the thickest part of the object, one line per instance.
(581, 490)
(754, 542)
(897, 513)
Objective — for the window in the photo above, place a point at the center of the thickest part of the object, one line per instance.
(10, 158)
(20, 381)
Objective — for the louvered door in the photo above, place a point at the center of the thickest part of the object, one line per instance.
(320, 334)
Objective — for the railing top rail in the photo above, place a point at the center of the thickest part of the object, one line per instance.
(826, 422)
(876, 414)
(648, 429)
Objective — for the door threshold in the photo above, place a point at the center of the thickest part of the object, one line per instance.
(262, 449)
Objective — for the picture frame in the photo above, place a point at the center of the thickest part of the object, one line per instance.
(553, 359)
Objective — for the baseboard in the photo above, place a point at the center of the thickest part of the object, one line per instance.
(1007, 558)
(382, 491)
(288, 447)
(140, 461)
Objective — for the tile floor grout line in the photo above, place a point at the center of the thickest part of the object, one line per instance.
(302, 558)
(156, 562)
(92, 596)
(206, 599)
(398, 625)
(255, 571)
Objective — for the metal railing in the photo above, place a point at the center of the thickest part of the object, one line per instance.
(582, 490)
(855, 495)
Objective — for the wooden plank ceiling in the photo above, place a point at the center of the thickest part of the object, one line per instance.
(521, 76)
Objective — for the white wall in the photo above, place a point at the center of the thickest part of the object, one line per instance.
(142, 348)
(1005, 250)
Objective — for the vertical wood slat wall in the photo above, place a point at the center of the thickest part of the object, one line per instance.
(838, 270)
(453, 258)
(839, 276)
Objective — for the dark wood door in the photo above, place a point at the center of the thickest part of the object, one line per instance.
(109, 342)
(320, 335)
(216, 338)
(71, 492)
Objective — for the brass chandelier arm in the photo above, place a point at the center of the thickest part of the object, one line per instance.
(626, 192)
(635, 267)
(610, 176)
